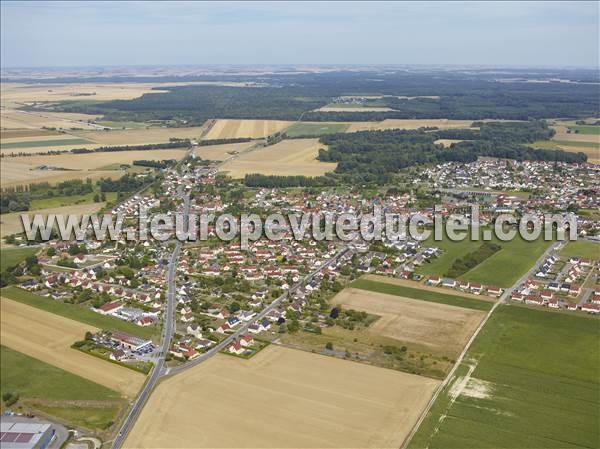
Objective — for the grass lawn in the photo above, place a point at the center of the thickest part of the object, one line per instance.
(425, 295)
(315, 129)
(76, 312)
(44, 143)
(53, 391)
(9, 257)
(502, 269)
(535, 384)
(61, 201)
(586, 129)
(582, 248)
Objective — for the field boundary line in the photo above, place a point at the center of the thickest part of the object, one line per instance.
(459, 360)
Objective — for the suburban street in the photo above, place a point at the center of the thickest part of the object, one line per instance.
(167, 334)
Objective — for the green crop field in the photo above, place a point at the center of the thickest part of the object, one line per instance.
(501, 269)
(76, 312)
(582, 248)
(535, 384)
(425, 295)
(44, 143)
(586, 129)
(9, 257)
(315, 129)
(61, 201)
(54, 391)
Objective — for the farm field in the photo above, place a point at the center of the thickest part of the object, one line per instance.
(582, 248)
(21, 120)
(353, 108)
(315, 129)
(282, 398)
(421, 292)
(12, 224)
(26, 169)
(33, 142)
(138, 136)
(93, 161)
(288, 157)
(57, 392)
(563, 134)
(48, 337)
(222, 152)
(81, 314)
(586, 129)
(514, 388)
(408, 124)
(9, 257)
(591, 149)
(255, 129)
(447, 142)
(439, 326)
(501, 269)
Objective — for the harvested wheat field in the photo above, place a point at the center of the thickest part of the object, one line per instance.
(139, 136)
(94, 161)
(254, 129)
(222, 152)
(288, 157)
(48, 337)
(14, 94)
(282, 398)
(12, 223)
(438, 326)
(13, 119)
(447, 142)
(19, 174)
(356, 108)
(564, 136)
(409, 124)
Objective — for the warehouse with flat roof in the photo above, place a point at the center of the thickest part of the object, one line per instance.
(17, 434)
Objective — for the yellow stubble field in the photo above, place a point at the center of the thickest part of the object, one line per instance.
(408, 124)
(26, 169)
(48, 337)
(282, 398)
(12, 223)
(254, 129)
(441, 327)
(222, 152)
(288, 157)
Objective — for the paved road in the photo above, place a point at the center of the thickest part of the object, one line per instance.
(503, 299)
(167, 335)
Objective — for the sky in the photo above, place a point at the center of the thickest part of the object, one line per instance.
(54, 34)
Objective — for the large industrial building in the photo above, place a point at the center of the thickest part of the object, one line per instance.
(17, 433)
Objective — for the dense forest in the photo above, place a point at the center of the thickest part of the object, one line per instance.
(462, 96)
(373, 156)
(271, 181)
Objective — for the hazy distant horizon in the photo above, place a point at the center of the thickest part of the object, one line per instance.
(487, 34)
